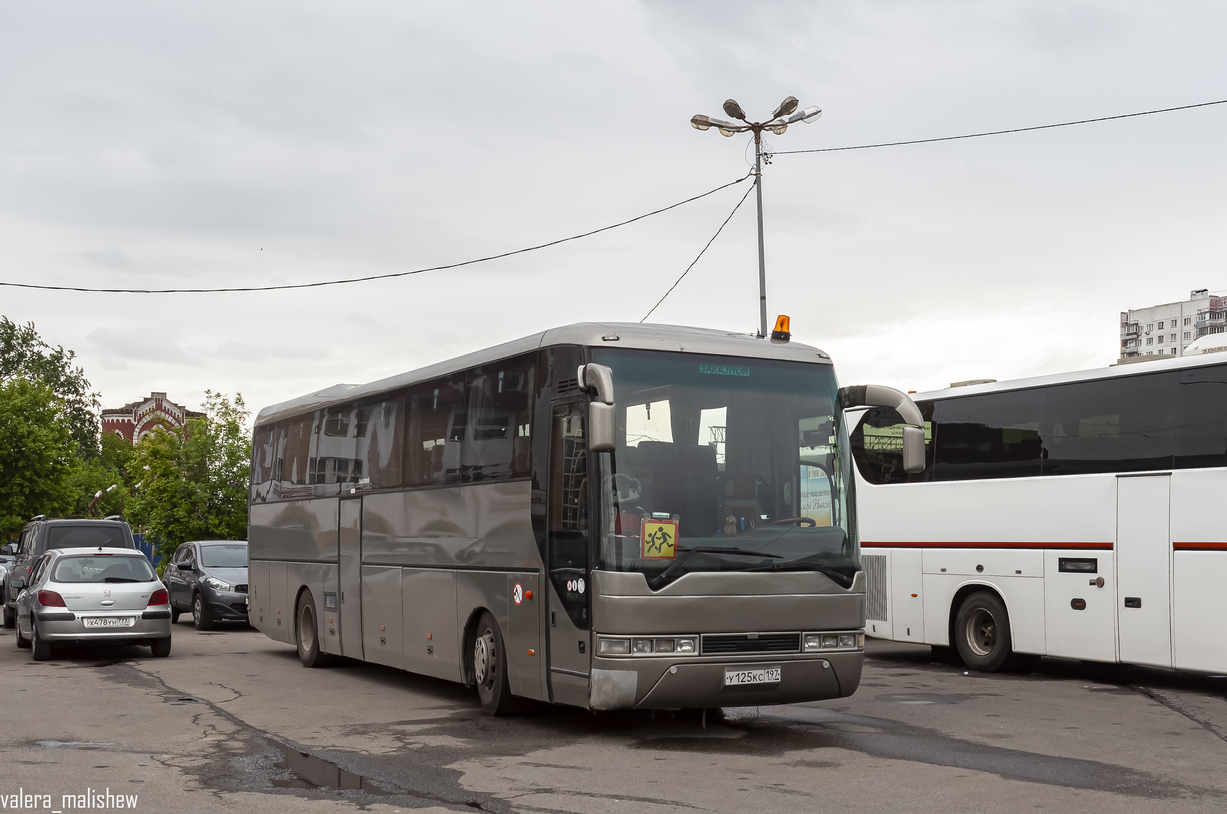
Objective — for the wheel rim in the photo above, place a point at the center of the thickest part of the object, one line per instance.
(306, 628)
(196, 610)
(483, 658)
(981, 632)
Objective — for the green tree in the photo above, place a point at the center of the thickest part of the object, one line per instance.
(24, 354)
(195, 477)
(37, 454)
(113, 467)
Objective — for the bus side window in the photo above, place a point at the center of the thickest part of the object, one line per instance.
(877, 446)
(499, 433)
(1201, 431)
(438, 415)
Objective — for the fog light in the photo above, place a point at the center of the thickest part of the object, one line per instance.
(614, 647)
(847, 640)
(664, 645)
(812, 641)
(830, 640)
(685, 645)
(641, 646)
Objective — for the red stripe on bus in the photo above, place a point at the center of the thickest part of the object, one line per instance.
(1200, 546)
(989, 545)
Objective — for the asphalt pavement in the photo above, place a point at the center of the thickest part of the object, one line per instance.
(231, 721)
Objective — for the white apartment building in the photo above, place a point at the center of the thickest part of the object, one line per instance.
(1166, 330)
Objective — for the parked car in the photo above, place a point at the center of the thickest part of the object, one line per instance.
(208, 578)
(41, 535)
(78, 595)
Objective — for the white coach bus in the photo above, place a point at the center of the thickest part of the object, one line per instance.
(1077, 515)
(609, 516)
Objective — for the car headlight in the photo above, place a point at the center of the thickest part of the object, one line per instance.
(216, 584)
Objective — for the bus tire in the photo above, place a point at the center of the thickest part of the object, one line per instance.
(490, 667)
(306, 634)
(982, 632)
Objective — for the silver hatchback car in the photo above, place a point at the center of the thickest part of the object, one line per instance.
(92, 595)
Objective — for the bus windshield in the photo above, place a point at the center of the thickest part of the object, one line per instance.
(725, 464)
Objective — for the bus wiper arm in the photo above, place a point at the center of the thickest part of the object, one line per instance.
(708, 549)
(842, 579)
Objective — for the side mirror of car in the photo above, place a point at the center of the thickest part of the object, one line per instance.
(8, 549)
(17, 584)
(184, 566)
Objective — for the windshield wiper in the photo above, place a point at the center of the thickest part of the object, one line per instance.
(707, 549)
(118, 579)
(842, 579)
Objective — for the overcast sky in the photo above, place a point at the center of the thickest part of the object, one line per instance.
(247, 143)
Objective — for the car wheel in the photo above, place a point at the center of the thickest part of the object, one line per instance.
(40, 648)
(174, 614)
(22, 641)
(160, 647)
(982, 632)
(307, 631)
(200, 617)
(490, 667)
(10, 618)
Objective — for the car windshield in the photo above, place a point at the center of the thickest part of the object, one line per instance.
(109, 536)
(725, 464)
(102, 568)
(224, 556)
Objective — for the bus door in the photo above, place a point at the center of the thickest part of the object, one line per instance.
(569, 584)
(1143, 569)
(349, 576)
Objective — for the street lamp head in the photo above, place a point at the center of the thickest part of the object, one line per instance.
(778, 128)
(728, 132)
(733, 109)
(786, 108)
(700, 122)
(810, 114)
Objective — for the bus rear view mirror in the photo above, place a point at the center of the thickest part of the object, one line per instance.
(601, 435)
(602, 431)
(875, 395)
(913, 449)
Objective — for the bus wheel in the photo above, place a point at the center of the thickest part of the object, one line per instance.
(982, 632)
(490, 667)
(307, 637)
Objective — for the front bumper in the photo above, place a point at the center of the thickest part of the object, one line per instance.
(225, 605)
(60, 626)
(698, 682)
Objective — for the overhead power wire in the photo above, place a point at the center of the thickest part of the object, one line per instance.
(705, 248)
(999, 132)
(388, 276)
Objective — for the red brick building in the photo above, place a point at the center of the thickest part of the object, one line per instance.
(136, 420)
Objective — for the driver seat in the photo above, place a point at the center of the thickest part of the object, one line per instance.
(739, 500)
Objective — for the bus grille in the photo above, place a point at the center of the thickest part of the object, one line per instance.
(875, 579)
(717, 644)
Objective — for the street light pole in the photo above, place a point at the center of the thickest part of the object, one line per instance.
(783, 116)
(762, 252)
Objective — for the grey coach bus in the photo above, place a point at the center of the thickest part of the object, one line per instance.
(604, 515)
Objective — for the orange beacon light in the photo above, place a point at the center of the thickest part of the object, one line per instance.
(781, 334)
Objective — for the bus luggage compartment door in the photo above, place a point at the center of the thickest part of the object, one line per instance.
(349, 576)
(1143, 570)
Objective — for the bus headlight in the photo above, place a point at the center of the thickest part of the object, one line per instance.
(664, 645)
(641, 646)
(685, 645)
(830, 640)
(614, 647)
(847, 640)
(812, 641)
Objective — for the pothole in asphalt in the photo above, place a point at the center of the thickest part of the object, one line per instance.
(302, 770)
